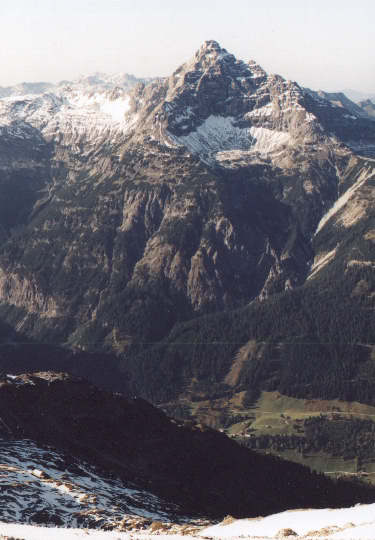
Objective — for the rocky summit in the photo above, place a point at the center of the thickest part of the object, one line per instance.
(209, 235)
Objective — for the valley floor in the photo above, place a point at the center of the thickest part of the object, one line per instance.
(333, 437)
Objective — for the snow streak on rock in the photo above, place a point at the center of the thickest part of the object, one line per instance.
(355, 212)
(320, 261)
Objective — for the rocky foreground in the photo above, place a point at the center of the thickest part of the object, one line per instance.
(356, 523)
(74, 455)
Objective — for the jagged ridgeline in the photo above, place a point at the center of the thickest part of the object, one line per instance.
(212, 232)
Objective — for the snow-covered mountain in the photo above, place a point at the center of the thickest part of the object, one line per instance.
(91, 106)
(187, 226)
(96, 82)
(114, 160)
(225, 110)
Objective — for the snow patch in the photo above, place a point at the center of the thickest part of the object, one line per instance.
(266, 110)
(344, 523)
(356, 523)
(268, 140)
(34, 479)
(115, 109)
(219, 135)
(310, 117)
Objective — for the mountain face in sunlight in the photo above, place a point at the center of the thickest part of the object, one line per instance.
(204, 241)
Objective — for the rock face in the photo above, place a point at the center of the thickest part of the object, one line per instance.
(128, 210)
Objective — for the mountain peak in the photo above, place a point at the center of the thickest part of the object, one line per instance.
(210, 51)
(211, 45)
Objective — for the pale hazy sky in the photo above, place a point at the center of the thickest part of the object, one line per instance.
(326, 44)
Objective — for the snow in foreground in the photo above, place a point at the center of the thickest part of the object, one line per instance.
(346, 523)
(357, 523)
(38, 485)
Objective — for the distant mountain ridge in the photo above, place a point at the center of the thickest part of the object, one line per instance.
(96, 81)
(339, 99)
(356, 95)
